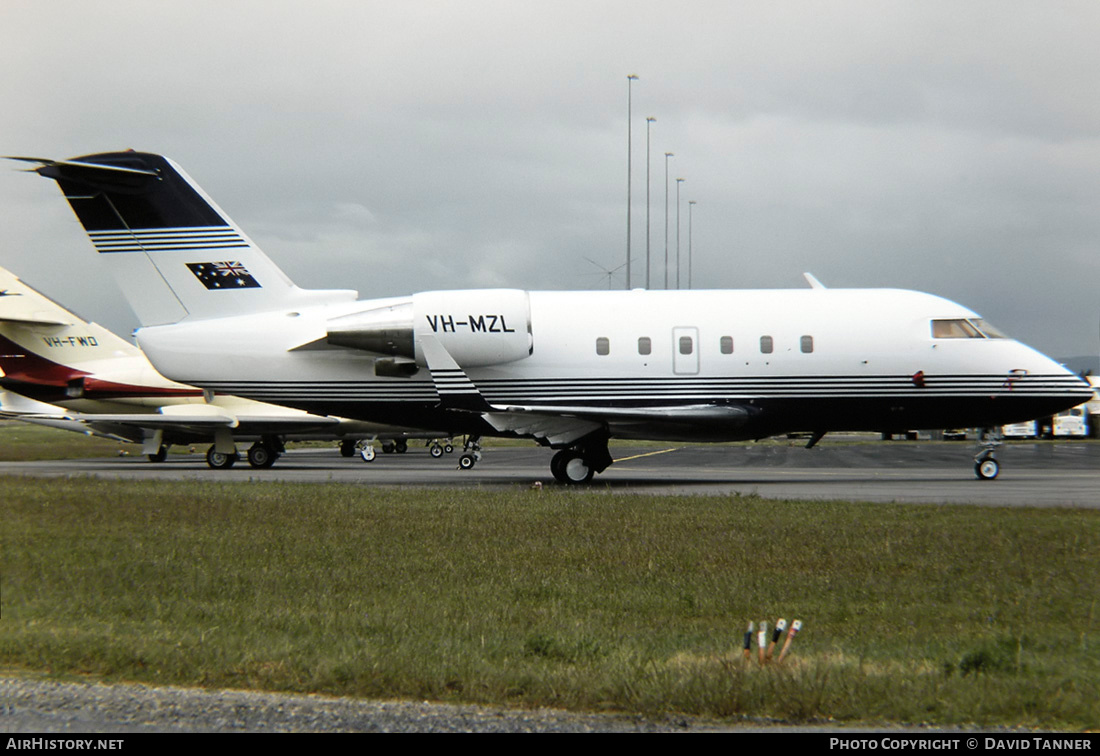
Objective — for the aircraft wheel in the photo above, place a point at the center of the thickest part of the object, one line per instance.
(436, 451)
(347, 448)
(577, 470)
(388, 447)
(569, 466)
(367, 453)
(449, 448)
(467, 461)
(261, 456)
(400, 446)
(557, 463)
(160, 455)
(987, 469)
(220, 461)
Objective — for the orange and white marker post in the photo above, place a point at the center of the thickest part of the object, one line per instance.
(780, 626)
(795, 627)
(762, 640)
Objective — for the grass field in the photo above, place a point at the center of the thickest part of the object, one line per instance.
(560, 598)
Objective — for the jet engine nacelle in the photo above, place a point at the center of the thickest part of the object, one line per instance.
(477, 327)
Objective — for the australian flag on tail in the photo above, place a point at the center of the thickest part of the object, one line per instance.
(223, 275)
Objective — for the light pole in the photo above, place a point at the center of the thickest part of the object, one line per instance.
(691, 206)
(629, 154)
(678, 182)
(648, 125)
(667, 156)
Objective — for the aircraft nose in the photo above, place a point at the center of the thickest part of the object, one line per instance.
(1076, 389)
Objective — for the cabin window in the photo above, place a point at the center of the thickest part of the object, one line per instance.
(645, 346)
(603, 346)
(686, 345)
(767, 345)
(807, 344)
(726, 344)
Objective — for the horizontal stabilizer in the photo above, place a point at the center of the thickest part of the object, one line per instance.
(31, 320)
(21, 304)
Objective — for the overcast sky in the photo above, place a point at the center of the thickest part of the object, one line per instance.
(393, 147)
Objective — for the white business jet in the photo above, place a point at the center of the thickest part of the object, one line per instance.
(568, 369)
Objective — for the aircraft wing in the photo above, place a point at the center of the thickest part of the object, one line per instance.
(183, 417)
(208, 422)
(563, 424)
(18, 406)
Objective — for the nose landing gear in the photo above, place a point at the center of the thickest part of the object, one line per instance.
(986, 466)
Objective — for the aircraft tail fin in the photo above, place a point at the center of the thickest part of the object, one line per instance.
(173, 251)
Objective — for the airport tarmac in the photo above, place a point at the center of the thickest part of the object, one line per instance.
(1045, 474)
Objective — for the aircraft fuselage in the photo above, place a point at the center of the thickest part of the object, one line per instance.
(785, 360)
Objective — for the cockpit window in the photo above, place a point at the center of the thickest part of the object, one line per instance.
(988, 329)
(954, 329)
(964, 329)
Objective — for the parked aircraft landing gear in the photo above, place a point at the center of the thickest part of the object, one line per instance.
(472, 453)
(986, 466)
(366, 450)
(437, 449)
(261, 455)
(159, 455)
(219, 460)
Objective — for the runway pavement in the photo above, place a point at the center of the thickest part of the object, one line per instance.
(1047, 474)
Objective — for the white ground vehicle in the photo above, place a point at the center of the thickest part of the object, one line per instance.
(1030, 429)
(1071, 423)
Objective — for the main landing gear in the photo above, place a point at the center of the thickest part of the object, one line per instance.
(263, 454)
(986, 466)
(580, 462)
(220, 460)
(260, 455)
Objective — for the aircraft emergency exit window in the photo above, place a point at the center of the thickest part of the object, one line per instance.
(726, 344)
(807, 344)
(686, 345)
(603, 346)
(767, 344)
(645, 346)
(954, 329)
